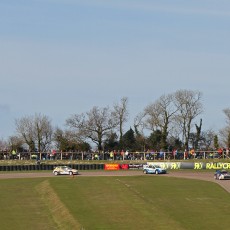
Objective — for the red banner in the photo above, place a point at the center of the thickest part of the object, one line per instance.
(112, 167)
(124, 166)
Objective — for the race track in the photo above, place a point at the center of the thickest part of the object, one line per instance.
(207, 176)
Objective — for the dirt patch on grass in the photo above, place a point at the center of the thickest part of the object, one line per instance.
(60, 214)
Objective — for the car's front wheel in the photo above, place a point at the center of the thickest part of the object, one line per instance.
(157, 172)
(70, 173)
(145, 172)
(55, 173)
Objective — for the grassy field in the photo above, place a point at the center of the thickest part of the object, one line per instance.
(111, 203)
(47, 162)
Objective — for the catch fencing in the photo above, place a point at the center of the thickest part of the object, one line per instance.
(113, 155)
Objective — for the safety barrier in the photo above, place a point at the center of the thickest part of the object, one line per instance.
(50, 167)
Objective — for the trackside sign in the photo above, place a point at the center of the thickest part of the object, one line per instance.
(111, 166)
(192, 165)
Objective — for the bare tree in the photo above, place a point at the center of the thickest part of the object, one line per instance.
(139, 123)
(139, 126)
(67, 140)
(36, 131)
(189, 106)
(225, 132)
(16, 143)
(25, 129)
(3, 145)
(159, 116)
(198, 134)
(227, 114)
(121, 115)
(207, 139)
(94, 125)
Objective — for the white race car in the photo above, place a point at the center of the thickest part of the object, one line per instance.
(64, 170)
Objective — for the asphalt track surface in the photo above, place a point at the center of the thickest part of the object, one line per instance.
(207, 176)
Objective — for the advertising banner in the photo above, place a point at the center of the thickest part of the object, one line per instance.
(111, 167)
(192, 165)
(124, 166)
(218, 165)
(135, 166)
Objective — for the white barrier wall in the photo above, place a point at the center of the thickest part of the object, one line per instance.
(192, 165)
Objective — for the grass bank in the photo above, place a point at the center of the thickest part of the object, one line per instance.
(138, 202)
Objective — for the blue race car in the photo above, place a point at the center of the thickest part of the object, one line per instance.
(153, 169)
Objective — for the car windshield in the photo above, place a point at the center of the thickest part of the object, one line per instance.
(66, 168)
(158, 166)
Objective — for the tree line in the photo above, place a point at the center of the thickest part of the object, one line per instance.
(173, 121)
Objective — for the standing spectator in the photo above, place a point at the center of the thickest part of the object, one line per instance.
(175, 153)
(111, 155)
(126, 155)
(220, 151)
(185, 154)
(227, 152)
(122, 154)
(13, 154)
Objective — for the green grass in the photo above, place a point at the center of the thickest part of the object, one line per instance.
(48, 162)
(111, 203)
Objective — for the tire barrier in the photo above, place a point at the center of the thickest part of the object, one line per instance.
(49, 167)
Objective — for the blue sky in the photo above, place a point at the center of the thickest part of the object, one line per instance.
(61, 57)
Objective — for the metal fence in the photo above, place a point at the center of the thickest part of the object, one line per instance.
(151, 155)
